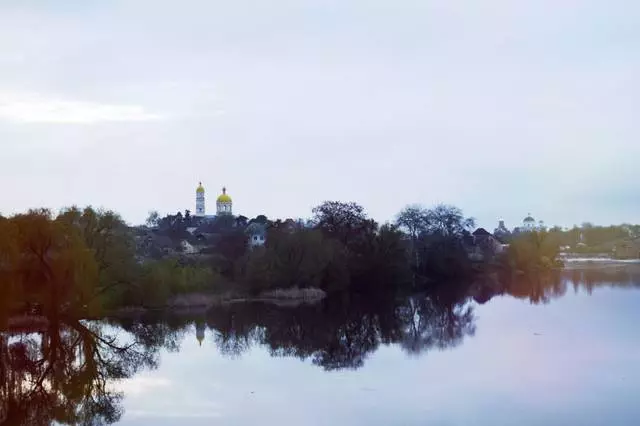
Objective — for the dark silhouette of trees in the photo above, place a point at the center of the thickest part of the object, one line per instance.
(289, 259)
(413, 220)
(380, 264)
(173, 227)
(261, 219)
(347, 251)
(448, 221)
(153, 219)
(62, 373)
(436, 241)
(242, 221)
(230, 247)
(345, 222)
(46, 263)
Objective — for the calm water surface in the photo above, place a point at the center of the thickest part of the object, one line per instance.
(565, 352)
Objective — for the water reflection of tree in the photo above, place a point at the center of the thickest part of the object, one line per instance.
(65, 373)
(234, 334)
(155, 333)
(542, 288)
(340, 334)
(537, 288)
(348, 344)
(428, 325)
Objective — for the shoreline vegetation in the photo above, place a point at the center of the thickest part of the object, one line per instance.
(88, 263)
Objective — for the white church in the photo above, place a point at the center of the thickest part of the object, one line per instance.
(224, 207)
(224, 204)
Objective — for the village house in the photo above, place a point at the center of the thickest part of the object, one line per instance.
(482, 244)
(257, 234)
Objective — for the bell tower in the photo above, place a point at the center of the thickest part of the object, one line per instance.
(200, 211)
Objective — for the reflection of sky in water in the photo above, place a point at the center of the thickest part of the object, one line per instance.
(574, 361)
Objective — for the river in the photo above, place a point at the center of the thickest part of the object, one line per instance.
(559, 352)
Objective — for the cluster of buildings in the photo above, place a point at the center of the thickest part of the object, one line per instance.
(201, 228)
(224, 207)
(482, 243)
(529, 224)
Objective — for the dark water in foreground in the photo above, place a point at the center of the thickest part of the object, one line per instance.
(565, 352)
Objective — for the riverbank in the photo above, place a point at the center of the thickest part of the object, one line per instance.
(201, 302)
(190, 303)
(581, 261)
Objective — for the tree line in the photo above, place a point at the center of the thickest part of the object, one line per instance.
(89, 261)
(79, 263)
(584, 238)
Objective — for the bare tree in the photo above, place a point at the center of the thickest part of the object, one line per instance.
(448, 221)
(413, 219)
(153, 219)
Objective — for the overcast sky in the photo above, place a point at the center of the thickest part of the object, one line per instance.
(501, 107)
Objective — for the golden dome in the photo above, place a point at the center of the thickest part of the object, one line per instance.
(224, 198)
(200, 188)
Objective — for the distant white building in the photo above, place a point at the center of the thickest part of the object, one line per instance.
(529, 223)
(224, 203)
(257, 234)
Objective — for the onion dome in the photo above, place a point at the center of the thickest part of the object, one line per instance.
(224, 198)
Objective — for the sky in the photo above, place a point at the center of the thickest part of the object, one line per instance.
(501, 108)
